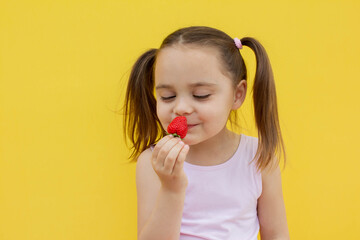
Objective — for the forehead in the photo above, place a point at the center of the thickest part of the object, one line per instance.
(188, 64)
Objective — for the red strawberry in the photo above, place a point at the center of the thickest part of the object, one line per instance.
(178, 127)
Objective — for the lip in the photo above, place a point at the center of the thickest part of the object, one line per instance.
(191, 125)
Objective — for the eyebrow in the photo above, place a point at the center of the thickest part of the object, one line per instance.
(198, 84)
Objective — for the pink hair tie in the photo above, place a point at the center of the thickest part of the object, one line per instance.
(238, 43)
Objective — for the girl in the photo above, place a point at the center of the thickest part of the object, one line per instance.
(214, 183)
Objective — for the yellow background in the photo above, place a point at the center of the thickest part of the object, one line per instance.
(63, 70)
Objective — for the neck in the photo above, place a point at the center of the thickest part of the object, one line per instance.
(215, 150)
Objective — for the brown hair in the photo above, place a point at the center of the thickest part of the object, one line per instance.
(141, 123)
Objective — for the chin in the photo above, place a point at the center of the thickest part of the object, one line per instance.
(191, 141)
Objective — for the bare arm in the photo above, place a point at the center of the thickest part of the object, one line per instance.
(161, 185)
(271, 208)
(165, 220)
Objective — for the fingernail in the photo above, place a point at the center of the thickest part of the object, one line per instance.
(186, 147)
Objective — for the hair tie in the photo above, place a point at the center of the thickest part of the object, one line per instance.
(238, 43)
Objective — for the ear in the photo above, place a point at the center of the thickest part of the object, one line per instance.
(239, 94)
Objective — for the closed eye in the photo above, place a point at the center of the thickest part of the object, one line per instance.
(195, 96)
(167, 98)
(202, 96)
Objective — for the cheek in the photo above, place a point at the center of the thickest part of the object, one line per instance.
(162, 113)
(215, 114)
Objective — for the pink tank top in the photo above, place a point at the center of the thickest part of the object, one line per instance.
(221, 200)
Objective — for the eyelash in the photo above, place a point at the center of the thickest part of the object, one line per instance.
(195, 96)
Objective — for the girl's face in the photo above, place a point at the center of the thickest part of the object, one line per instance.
(189, 82)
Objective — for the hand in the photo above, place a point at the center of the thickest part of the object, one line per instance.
(167, 160)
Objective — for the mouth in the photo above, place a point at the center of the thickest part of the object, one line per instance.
(191, 125)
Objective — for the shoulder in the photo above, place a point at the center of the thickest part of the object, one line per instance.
(271, 176)
(253, 141)
(268, 179)
(250, 142)
(249, 146)
(146, 177)
(143, 163)
(145, 154)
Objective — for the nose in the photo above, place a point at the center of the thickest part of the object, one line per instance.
(183, 106)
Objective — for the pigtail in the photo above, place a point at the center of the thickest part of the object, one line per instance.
(140, 118)
(265, 107)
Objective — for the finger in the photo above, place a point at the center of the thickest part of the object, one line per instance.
(172, 156)
(179, 164)
(163, 152)
(165, 149)
(159, 145)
